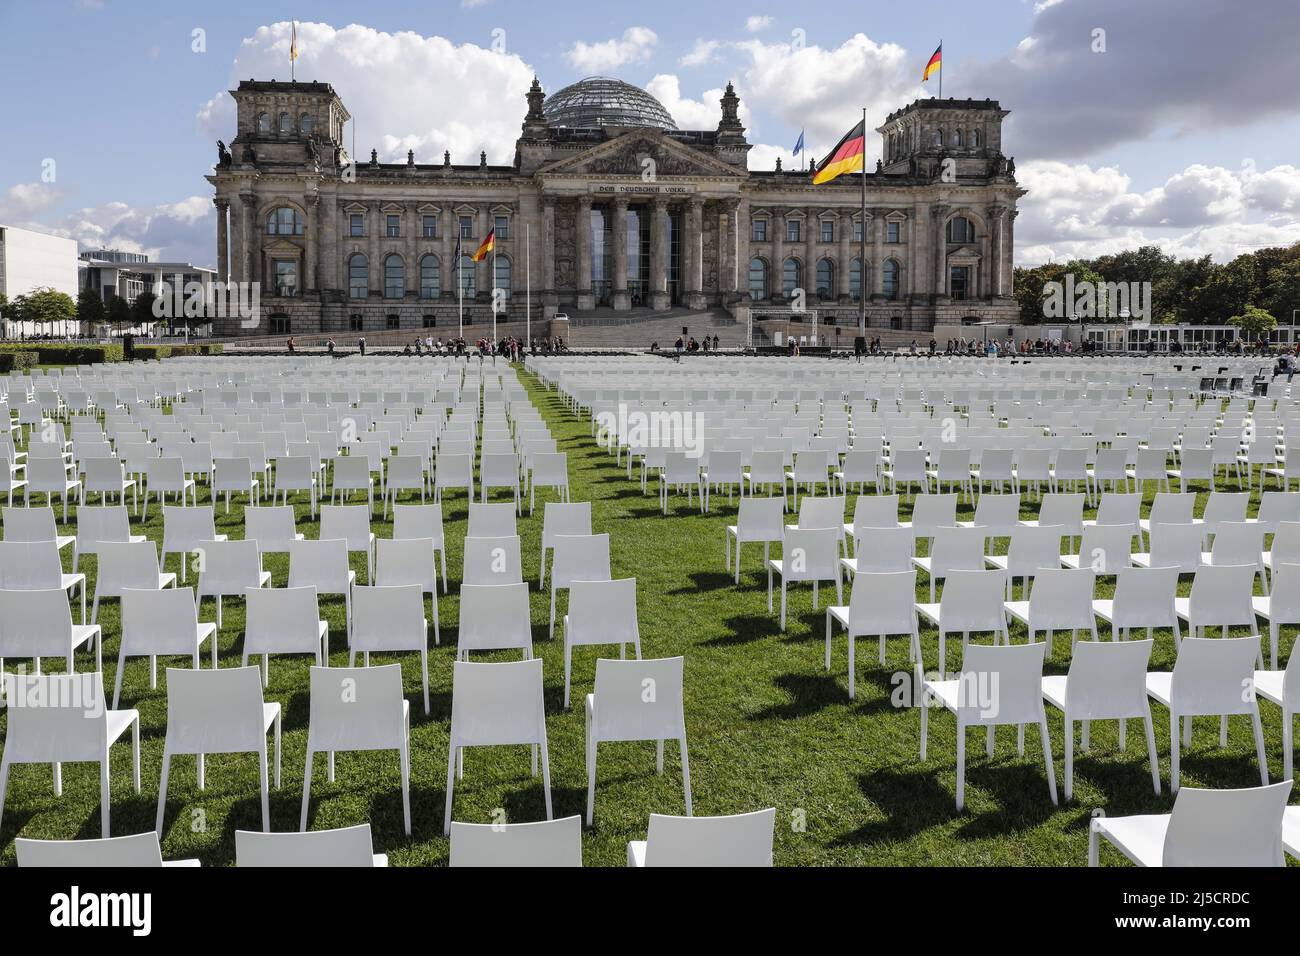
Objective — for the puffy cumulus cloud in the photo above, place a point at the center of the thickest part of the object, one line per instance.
(1078, 210)
(756, 23)
(823, 89)
(179, 231)
(20, 202)
(702, 113)
(704, 51)
(1165, 66)
(634, 46)
(366, 67)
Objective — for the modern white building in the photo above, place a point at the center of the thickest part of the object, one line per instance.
(34, 260)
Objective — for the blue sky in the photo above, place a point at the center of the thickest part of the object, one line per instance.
(1182, 130)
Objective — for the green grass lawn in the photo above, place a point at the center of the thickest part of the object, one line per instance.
(767, 725)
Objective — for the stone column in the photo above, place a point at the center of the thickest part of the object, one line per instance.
(877, 271)
(1009, 244)
(411, 243)
(919, 277)
(547, 238)
(777, 281)
(586, 299)
(223, 250)
(311, 243)
(941, 251)
(249, 252)
(692, 254)
(844, 267)
(812, 235)
(450, 226)
(622, 300)
(374, 229)
(659, 226)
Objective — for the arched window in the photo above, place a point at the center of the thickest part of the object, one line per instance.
(890, 277)
(974, 137)
(502, 280)
(468, 281)
(960, 230)
(358, 276)
(284, 221)
(956, 137)
(757, 279)
(825, 279)
(286, 124)
(855, 279)
(790, 277)
(394, 277)
(264, 122)
(305, 123)
(938, 137)
(430, 278)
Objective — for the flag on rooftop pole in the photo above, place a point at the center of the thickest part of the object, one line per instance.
(293, 50)
(935, 64)
(798, 149)
(846, 157)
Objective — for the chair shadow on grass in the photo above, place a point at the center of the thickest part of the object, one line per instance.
(912, 802)
(705, 581)
(742, 629)
(809, 694)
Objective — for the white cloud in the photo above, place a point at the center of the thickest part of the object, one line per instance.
(365, 66)
(703, 113)
(756, 23)
(1075, 210)
(180, 231)
(635, 46)
(1044, 4)
(22, 201)
(704, 51)
(824, 89)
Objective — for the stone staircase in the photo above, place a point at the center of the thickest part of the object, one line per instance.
(605, 328)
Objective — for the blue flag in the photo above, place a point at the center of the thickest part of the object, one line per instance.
(457, 266)
(798, 147)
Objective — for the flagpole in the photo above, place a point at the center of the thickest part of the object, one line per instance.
(941, 68)
(862, 253)
(494, 291)
(460, 295)
(528, 283)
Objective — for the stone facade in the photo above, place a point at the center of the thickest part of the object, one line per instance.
(613, 219)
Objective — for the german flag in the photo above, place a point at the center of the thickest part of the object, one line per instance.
(484, 249)
(845, 158)
(935, 63)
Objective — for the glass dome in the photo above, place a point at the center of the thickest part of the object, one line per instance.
(604, 101)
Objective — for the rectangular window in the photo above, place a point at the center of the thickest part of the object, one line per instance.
(792, 230)
(356, 225)
(430, 321)
(355, 323)
(393, 322)
(467, 227)
(280, 325)
(857, 232)
(760, 230)
(429, 227)
(502, 227)
(893, 231)
(828, 231)
(959, 281)
(286, 277)
(394, 226)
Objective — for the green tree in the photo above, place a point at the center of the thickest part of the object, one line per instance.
(142, 309)
(90, 309)
(1281, 294)
(45, 307)
(1255, 323)
(119, 312)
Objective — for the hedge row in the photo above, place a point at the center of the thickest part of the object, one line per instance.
(66, 354)
(18, 361)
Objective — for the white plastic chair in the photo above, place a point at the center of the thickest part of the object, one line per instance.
(972, 602)
(1060, 600)
(38, 623)
(496, 704)
(561, 518)
(295, 473)
(235, 476)
(549, 470)
(1144, 598)
(36, 566)
(163, 476)
(133, 565)
(50, 476)
(547, 843)
(37, 524)
(578, 558)
(324, 566)
(1031, 550)
(1105, 682)
(997, 685)
(422, 521)
(347, 846)
(217, 712)
(390, 620)
(405, 473)
(491, 561)
(185, 531)
(1212, 677)
(404, 561)
(71, 724)
(229, 569)
(954, 549)
(880, 604)
(358, 708)
(494, 617)
(600, 612)
(620, 709)
(808, 554)
(742, 839)
(161, 623)
(682, 472)
(272, 528)
(284, 621)
(1213, 828)
(352, 473)
(105, 476)
(1283, 689)
(758, 519)
(499, 471)
(136, 850)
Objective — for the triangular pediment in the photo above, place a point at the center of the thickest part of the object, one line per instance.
(637, 153)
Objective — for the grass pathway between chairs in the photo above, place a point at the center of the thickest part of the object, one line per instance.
(767, 725)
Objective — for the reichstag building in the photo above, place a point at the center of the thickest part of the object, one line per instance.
(609, 210)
